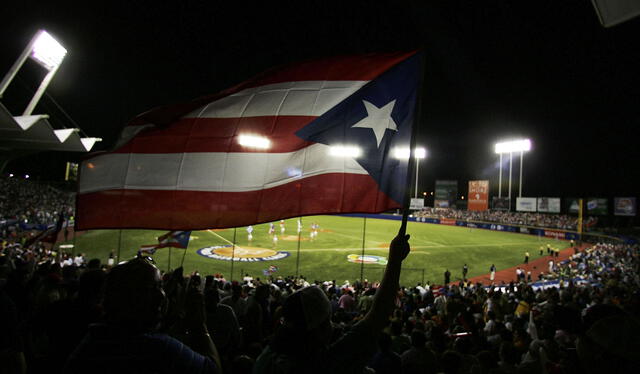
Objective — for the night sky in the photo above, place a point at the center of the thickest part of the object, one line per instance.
(542, 69)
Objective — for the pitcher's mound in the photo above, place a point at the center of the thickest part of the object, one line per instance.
(245, 252)
(292, 238)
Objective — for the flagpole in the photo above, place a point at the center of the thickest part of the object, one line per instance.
(119, 243)
(183, 256)
(412, 145)
(233, 252)
(73, 250)
(364, 231)
(298, 252)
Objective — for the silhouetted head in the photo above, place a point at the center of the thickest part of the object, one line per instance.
(134, 298)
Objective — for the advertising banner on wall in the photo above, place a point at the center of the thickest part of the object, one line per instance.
(478, 195)
(597, 206)
(500, 203)
(549, 204)
(446, 193)
(624, 206)
(526, 204)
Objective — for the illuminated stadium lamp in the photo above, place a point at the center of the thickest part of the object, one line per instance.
(522, 145)
(513, 146)
(254, 141)
(345, 151)
(10, 175)
(403, 153)
(418, 153)
(48, 53)
(26, 176)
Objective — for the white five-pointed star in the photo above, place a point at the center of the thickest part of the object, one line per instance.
(378, 119)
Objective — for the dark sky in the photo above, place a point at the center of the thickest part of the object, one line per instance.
(543, 69)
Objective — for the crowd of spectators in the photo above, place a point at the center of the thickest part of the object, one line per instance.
(584, 325)
(558, 221)
(29, 202)
(63, 314)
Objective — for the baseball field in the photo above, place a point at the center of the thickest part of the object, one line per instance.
(333, 252)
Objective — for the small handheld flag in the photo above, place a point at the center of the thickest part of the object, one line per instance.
(175, 239)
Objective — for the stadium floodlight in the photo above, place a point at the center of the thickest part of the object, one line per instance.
(48, 53)
(418, 153)
(513, 146)
(521, 145)
(254, 141)
(345, 151)
(403, 153)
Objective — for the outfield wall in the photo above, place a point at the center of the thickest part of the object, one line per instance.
(537, 231)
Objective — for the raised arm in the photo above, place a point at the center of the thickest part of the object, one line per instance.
(383, 302)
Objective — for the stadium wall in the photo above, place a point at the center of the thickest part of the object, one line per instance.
(537, 231)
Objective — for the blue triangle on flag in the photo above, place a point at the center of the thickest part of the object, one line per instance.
(335, 127)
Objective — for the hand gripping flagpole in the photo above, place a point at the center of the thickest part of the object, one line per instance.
(412, 146)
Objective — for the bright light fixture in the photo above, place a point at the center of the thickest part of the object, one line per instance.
(522, 145)
(254, 141)
(403, 153)
(345, 151)
(47, 51)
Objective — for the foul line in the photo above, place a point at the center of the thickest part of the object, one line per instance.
(383, 249)
(412, 247)
(214, 233)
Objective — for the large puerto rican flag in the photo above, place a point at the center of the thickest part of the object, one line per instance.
(319, 137)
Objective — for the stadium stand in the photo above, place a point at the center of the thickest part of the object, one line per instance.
(558, 221)
(582, 320)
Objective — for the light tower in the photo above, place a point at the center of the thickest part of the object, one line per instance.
(522, 145)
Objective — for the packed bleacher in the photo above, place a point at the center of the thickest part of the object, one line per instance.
(87, 316)
(459, 328)
(30, 202)
(559, 221)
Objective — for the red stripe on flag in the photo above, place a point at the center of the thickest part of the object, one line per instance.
(346, 68)
(186, 210)
(220, 135)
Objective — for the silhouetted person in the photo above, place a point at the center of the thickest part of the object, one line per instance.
(301, 344)
(134, 304)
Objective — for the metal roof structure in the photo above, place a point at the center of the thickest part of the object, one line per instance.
(35, 133)
(29, 133)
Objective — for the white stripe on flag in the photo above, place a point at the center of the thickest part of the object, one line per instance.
(304, 98)
(202, 171)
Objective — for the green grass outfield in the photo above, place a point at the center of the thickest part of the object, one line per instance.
(434, 249)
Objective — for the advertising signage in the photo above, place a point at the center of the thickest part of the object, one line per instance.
(446, 193)
(526, 204)
(549, 204)
(500, 203)
(597, 206)
(624, 206)
(572, 205)
(478, 195)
